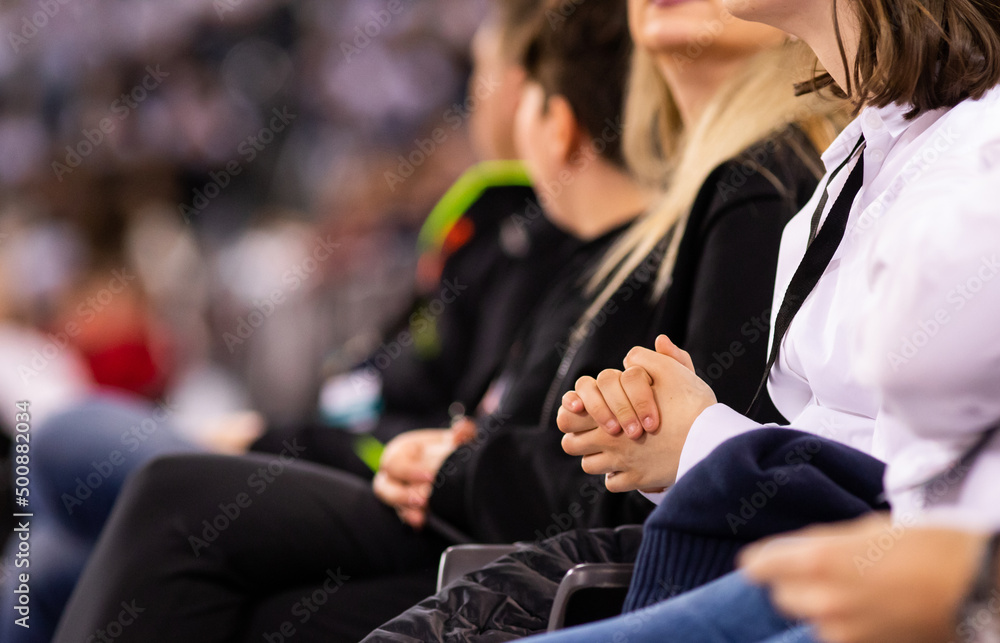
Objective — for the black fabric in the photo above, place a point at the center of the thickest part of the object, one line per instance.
(307, 531)
(823, 246)
(756, 485)
(512, 597)
(358, 602)
(963, 464)
(7, 522)
(717, 308)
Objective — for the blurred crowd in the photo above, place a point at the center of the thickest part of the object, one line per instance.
(216, 202)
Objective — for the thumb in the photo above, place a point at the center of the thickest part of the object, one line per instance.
(666, 347)
(462, 431)
(408, 467)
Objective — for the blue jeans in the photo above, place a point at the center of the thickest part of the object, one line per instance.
(729, 610)
(80, 459)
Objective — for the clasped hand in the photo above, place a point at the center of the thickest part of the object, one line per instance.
(409, 465)
(631, 425)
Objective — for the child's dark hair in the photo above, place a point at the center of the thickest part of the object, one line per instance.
(515, 21)
(580, 51)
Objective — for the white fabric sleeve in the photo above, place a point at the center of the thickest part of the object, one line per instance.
(655, 498)
(931, 343)
(715, 425)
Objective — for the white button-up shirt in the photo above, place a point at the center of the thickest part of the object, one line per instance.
(926, 222)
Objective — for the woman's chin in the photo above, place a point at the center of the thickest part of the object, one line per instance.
(673, 43)
(677, 34)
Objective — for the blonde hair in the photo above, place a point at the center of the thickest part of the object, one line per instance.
(759, 101)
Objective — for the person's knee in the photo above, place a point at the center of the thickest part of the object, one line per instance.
(167, 479)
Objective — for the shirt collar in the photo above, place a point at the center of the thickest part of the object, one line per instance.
(882, 122)
(881, 127)
(842, 146)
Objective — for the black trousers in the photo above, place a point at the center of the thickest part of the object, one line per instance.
(254, 548)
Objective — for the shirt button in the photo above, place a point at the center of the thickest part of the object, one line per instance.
(872, 120)
(877, 155)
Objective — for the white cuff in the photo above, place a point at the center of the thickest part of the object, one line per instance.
(715, 425)
(655, 498)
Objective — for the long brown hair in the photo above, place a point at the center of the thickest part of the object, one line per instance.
(929, 54)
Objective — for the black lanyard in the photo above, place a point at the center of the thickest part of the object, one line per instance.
(823, 244)
(960, 467)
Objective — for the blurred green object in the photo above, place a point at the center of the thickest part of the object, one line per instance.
(466, 191)
(369, 450)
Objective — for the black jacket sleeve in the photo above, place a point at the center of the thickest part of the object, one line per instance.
(732, 288)
(516, 483)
